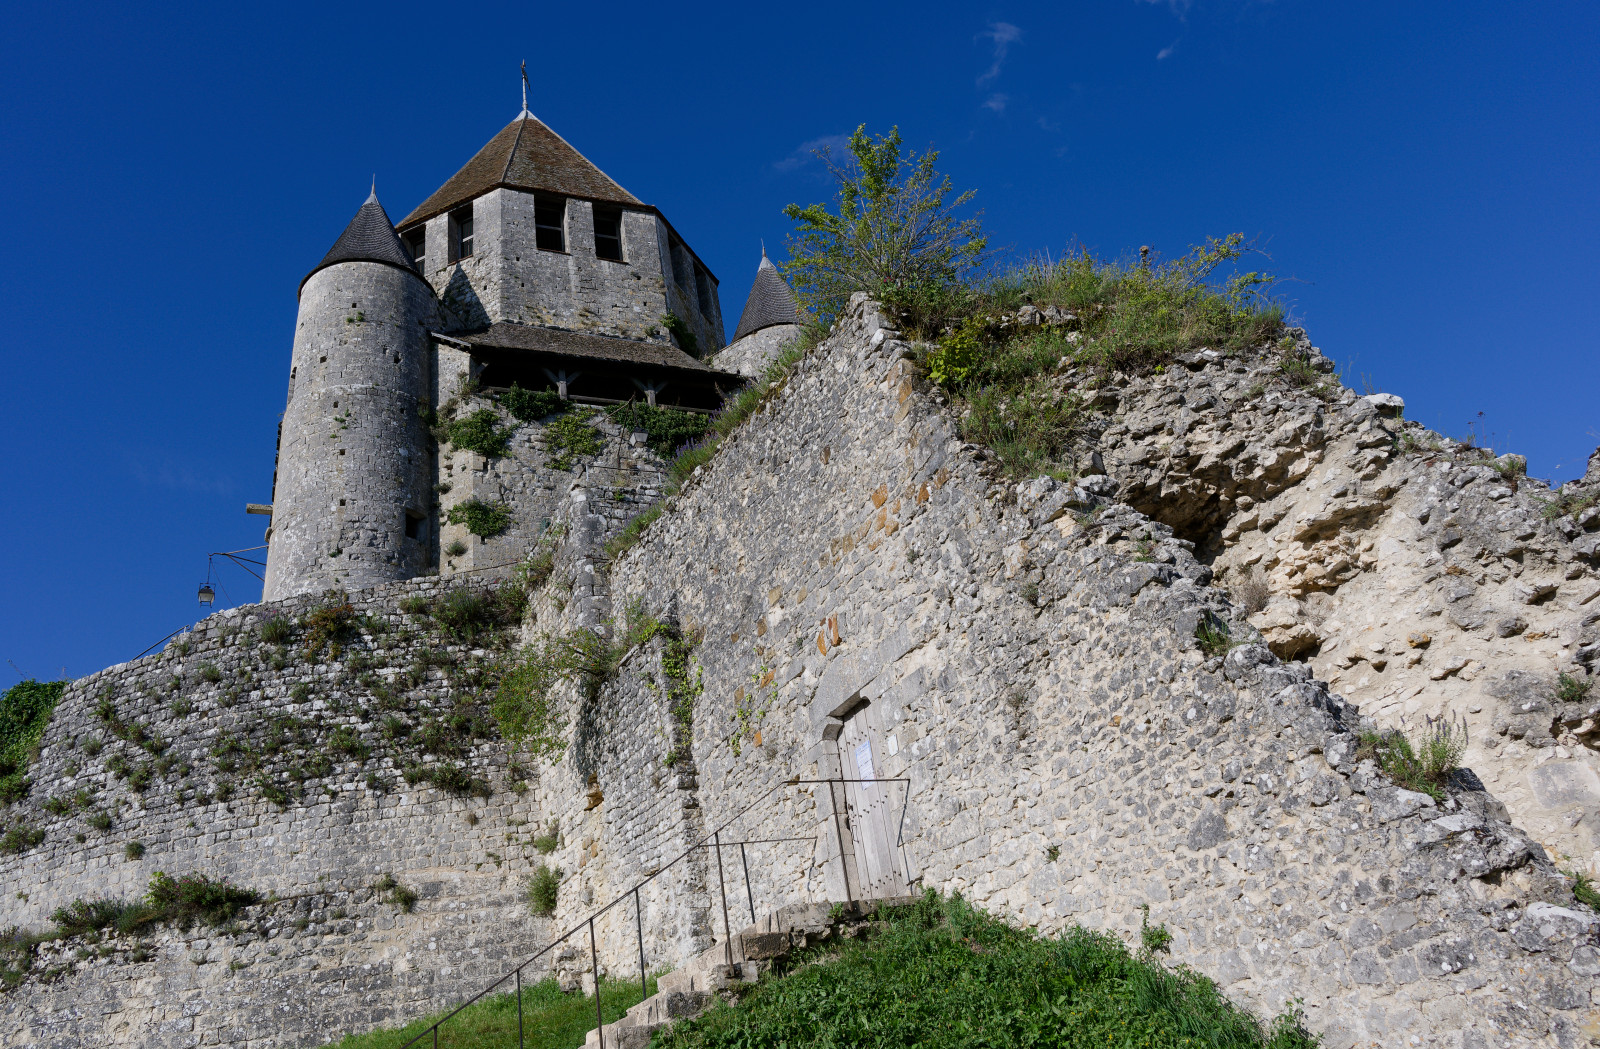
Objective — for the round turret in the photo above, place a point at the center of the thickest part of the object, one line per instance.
(352, 501)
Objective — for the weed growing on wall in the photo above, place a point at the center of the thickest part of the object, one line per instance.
(679, 330)
(543, 888)
(484, 520)
(570, 436)
(532, 405)
(667, 429)
(480, 432)
(1424, 764)
(25, 711)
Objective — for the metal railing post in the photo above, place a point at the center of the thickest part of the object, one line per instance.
(599, 1017)
(435, 1036)
(727, 934)
(638, 920)
(520, 1044)
(748, 895)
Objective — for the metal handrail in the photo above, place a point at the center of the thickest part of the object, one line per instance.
(714, 841)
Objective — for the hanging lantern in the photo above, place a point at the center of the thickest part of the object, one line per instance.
(207, 595)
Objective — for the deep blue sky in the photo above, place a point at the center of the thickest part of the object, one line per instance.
(1427, 173)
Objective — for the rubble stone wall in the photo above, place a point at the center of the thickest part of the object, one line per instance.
(1072, 751)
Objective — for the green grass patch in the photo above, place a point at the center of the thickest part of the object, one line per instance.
(1130, 317)
(941, 973)
(551, 1020)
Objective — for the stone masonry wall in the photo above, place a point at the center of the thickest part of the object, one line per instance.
(1073, 752)
(176, 748)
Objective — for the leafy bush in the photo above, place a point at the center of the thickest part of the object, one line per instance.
(529, 718)
(942, 974)
(896, 228)
(533, 405)
(570, 436)
(666, 429)
(480, 432)
(953, 361)
(543, 889)
(25, 711)
(1423, 766)
(465, 613)
(485, 520)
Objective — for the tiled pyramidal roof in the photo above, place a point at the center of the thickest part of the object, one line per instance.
(525, 155)
(370, 237)
(771, 301)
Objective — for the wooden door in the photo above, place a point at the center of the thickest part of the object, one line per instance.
(870, 806)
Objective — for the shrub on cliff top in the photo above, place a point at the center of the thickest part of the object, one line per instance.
(941, 973)
(895, 229)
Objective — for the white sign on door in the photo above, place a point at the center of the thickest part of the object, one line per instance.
(864, 759)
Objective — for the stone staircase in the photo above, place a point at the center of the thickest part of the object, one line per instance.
(688, 991)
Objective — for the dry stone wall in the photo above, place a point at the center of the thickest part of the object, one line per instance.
(185, 752)
(1072, 751)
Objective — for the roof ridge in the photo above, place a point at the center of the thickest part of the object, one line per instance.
(511, 154)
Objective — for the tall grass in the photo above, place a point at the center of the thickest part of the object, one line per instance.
(551, 1020)
(943, 974)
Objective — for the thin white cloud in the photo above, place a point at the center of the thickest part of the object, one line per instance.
(806, 152)
(1166, 52)
(996, 102)
(1003, 35)
(1178, 7)
(1046, 124)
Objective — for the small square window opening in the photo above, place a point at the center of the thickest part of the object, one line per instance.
(550, 222)
(702, 283)
(417, 244)
(413, 525)
(608, 233)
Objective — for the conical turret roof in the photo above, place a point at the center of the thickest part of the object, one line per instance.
(370, 237)
(771, 301)
(525, 155)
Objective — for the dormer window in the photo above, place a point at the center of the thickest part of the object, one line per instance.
(417, 245)
(550, 222)
(461, 233)
(608, 233)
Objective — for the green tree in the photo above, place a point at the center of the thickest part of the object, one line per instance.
(898, 232)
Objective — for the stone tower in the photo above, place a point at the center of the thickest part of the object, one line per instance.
(770, 321)
(352, 499)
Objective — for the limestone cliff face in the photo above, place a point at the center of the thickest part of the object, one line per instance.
(1418, 576)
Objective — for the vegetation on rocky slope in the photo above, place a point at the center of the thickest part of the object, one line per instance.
(942, 973)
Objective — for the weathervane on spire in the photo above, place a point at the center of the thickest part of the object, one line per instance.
(525, 88)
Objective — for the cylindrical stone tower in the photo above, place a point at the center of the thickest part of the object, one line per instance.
(352, 503)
